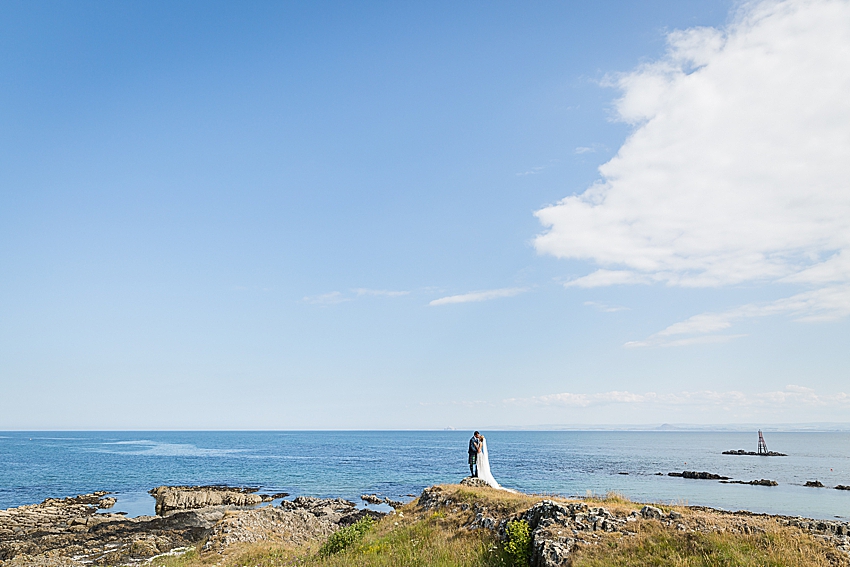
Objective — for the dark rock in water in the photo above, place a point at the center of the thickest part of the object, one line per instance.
(761, 482)
(814, 484)
(372, 499)
(698, 475)
(375, 499)
(277, 495)
(842, 487)
(622, 473)
(754, 454)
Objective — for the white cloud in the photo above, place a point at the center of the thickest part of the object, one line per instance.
(379, 292)
(737, 170)
(331, 298)
(479, 296)
(792, 397)
(822, 304)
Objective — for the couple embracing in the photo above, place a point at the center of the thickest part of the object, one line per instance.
(479, 461)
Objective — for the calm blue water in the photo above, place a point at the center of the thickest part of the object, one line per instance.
(37, 465)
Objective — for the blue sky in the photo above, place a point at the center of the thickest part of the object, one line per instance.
(384, 215)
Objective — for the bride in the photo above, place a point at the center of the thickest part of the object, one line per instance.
(484, 466)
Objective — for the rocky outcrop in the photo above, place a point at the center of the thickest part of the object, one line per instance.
(293, 523)
(171, 498)
(371, 499)
(754, 454)
(558, 529)
(814, 484)
(698, 475)
(842, 487)
(71, 531)
(760, 482)
(375, 499)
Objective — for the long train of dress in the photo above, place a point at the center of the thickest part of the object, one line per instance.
(484, 468)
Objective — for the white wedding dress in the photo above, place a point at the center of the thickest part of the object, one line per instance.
(484, 466)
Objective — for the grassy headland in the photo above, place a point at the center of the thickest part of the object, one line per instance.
(440, 536)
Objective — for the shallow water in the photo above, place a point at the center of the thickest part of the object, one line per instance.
(37, 465)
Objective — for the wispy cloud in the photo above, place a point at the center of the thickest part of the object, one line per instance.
(331, 298)
(588, 149)
(479, 296)
(532, 171)
(605, 308)
(379, 292)
(537, 169)
(818, 305)
(336, 297)
(792, 395)
(736, 172)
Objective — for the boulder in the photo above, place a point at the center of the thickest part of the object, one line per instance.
(474, 481)
(651, 513)
(814, 484)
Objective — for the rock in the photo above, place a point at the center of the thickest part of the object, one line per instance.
(372, 499)
(842, 487)
(303, 520)
(69, 531)
(431, 498)
(754, 454)
(761, 482)
(551, 552)
(814, 484)
(375, 499)
(552, 511)
(698, 475)
(473, 481)
(170, 498)
(651, 512)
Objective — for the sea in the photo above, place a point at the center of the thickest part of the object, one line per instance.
(399, 464)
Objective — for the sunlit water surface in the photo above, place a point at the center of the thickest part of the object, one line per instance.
(38, 465)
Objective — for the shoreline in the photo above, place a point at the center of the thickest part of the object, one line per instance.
(82, 529)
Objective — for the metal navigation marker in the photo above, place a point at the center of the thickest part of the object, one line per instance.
(762, 445)
(762, 450)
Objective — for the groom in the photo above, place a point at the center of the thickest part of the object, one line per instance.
(474, 449)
